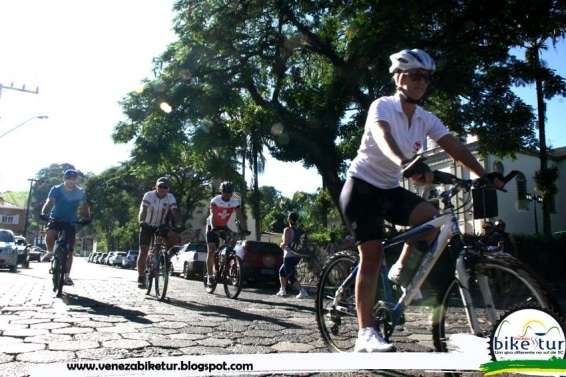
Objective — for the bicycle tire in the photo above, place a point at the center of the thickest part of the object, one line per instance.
(148, 275)
(212, 288)
(61, 276)
(337, 324)
(161, 276)
(232, 278)
(511, 285)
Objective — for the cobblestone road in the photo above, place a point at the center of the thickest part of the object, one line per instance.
(105, 316)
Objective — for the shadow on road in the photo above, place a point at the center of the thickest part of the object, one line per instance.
(101, 308)
(229, 313)
(309, 308)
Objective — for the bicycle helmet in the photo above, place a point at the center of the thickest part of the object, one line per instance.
(163, 181)
(406, 60)
(226, 187)
(70, 174)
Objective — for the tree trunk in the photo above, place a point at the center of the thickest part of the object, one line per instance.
(256, 197)
(333, 183)
(543, 153)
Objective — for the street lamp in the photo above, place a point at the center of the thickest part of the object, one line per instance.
(24, 122)
(534, 198)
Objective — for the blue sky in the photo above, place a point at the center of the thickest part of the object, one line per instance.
(85, 56)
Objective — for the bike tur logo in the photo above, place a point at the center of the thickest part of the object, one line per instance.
(528, 334)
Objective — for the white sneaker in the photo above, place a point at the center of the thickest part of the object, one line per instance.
(370, 341)
(281, 293)
(302, 294)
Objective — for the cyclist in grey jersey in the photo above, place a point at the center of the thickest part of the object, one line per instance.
(156, 208)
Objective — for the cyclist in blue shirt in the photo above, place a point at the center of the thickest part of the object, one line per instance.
(65, 200)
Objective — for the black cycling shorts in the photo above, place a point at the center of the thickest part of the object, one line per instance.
(59, 226)
(147, 232)
(366, 207)
(213, 235)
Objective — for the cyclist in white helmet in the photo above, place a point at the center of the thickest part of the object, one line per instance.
(395, 131)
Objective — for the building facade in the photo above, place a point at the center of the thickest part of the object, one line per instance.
(12, 217)
(518, 207)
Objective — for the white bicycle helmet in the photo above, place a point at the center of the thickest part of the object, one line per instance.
(411, 59)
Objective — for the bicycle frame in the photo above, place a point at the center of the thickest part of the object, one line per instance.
(448, 225)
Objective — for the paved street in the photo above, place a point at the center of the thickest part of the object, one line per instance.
(105, 316)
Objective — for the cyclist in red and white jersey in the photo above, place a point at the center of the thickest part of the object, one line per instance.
(156, 208)
(221, 209)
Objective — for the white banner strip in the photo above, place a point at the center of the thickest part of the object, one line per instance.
(218, 365)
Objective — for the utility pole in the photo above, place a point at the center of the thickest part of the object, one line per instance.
(26, 222)
(22, 89)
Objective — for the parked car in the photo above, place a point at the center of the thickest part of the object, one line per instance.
(260, 260)
(23, 251)
(190, 260)
(35, 253)
(107, 258)
(100, 258)
(130, 260)
(116, 258)
(8, 252)
(91, 256)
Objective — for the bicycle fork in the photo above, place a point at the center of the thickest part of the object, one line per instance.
(463, 278)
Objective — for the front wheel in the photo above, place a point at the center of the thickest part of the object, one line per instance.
(335, 305)
(497, 284)
(59, 263)
(232, 278)
(161, 273)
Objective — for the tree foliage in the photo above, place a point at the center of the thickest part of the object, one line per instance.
(313, 68)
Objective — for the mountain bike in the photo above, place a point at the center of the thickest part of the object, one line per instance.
(484, 286)
(228, 265)
(61, 251)
(158, 266)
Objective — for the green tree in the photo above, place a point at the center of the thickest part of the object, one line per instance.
(314, 68)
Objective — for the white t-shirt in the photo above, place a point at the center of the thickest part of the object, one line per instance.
(157, 208)
(371, 164)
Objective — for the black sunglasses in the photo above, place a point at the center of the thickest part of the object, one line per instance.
(416, 76)
(163, 187)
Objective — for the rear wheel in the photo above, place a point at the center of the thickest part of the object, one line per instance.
(186, 271)
(232, 277)
(336, 311)
(497, 284)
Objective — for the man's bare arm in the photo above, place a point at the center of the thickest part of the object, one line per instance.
(48, 204)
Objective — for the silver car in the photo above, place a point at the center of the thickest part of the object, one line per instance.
(8, 251)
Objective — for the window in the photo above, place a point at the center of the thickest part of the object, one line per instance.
(6, 236)
(498, 167)
(522, 202)
(8, 219)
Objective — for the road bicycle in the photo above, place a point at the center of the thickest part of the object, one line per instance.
(485, 284)
(158, 265)
(227, 265)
